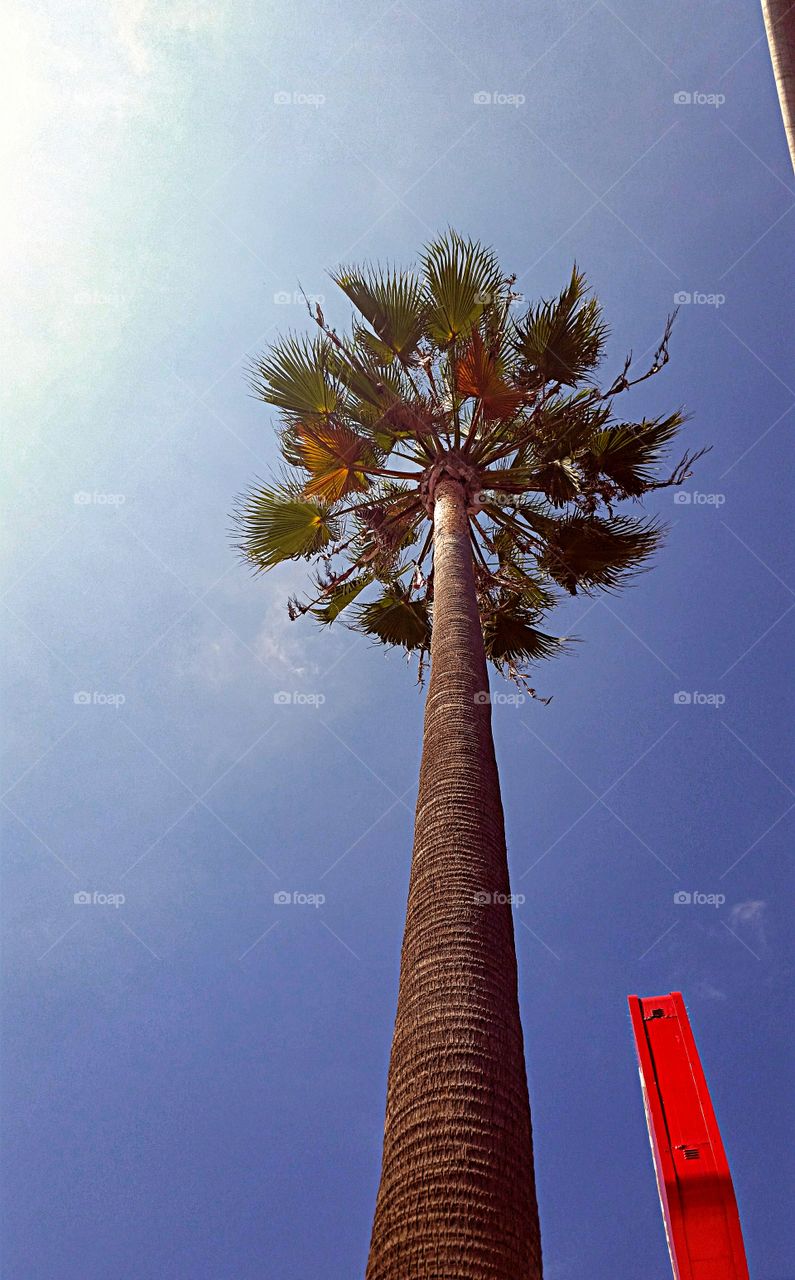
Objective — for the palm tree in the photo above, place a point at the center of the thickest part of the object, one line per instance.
(449, 465)
(780, 26)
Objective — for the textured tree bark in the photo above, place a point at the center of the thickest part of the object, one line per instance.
(780, 26)
(457, 1196)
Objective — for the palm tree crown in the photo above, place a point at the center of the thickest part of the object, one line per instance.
(439, 375)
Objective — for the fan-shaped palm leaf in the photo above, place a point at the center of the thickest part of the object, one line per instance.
(296, 377)
(462, 279)
(589, 552)
(629, 452)
(392, 302)
(478, 375)
(562, 340)
(335, 456)
(558, 481)
(340, 597)
(394, 619)
(510, 636)
(276, 526)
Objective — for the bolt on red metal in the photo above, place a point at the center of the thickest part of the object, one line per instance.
(696, 1192)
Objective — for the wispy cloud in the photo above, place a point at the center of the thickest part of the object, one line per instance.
(142, 25)
(709, 992)
(749, 917)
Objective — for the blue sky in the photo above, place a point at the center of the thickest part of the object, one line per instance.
(194, 1078)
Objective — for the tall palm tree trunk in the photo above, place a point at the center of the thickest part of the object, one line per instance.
(457, 1197)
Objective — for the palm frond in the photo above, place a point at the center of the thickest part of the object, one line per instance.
(510, 635)
(334, 455)
(591, 553)
(462, 279)
(478, 374)
(340, 597)
(563, 339)
(409, 419)
(276, 526)
(296, 376)
(392, 302)
(388, 527)
(628, 453)
(396, 620)
(558, 481)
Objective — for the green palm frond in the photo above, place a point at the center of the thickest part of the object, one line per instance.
(372, 388)
(462, 278)
(628, 453)
(296, 376)
(340, 597)
(435, 377)
(377, 351)
(392, 302)
(511, 636)
(396, 620)
(521, 584)
(562, 340)
(276, 526)
(590, 552)
(558, 481)
(566, 424)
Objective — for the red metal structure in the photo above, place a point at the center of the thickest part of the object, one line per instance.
(696, 1193)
